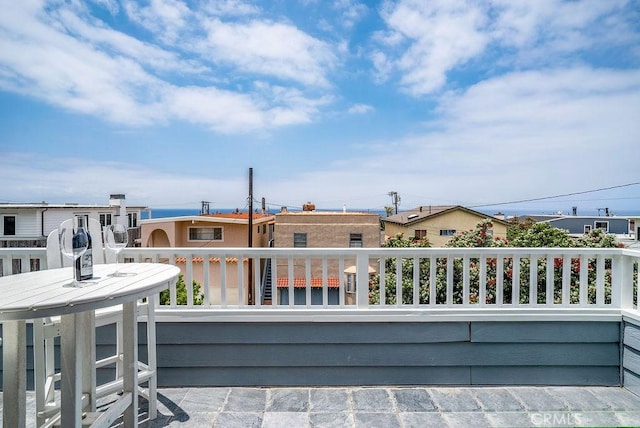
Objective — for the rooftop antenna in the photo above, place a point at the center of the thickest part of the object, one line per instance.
(395, 200)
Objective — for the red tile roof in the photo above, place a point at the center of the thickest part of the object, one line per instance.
(239, 215)
(211, 260)
(332, 282)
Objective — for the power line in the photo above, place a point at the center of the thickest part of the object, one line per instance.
(555, 196)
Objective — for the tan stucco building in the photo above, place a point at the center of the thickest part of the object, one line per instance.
(439, 223)
(210, 231)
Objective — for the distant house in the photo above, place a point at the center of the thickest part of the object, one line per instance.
(579, 225)
(439, 223)
(211, 230)
(634, 227)
(320, 229)
(29, 224)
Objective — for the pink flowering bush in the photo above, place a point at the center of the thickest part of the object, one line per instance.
(533, 235)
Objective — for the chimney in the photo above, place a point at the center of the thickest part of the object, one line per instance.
(118, 200)
(574, 210)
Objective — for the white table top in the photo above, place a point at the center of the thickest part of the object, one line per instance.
(42, 293)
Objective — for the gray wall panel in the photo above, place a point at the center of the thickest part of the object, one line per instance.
(376, 354)
(362, 353)
(563, 375)
(632, 336)
(631, 357)
(631, 382)
(551, 332)
(325, 376)
(322, 333)
(631, 360)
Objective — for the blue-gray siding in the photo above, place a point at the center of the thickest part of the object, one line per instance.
(576, 225)
(374, 353)
(300, 296)
(631, 356)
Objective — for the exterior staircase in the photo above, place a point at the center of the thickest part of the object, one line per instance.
(267, 284)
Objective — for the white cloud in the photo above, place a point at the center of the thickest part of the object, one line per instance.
(69, 59)
(165, 18)
(441, 36)
(425, 41)
(231, 8)
(58, 181)
(351, 11)
(103, 38)
(268, 48)
(544, 32)
(111, 5)
(518, 136)
(523, 135)
(360, 109)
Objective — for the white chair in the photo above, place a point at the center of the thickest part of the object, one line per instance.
(45, 330)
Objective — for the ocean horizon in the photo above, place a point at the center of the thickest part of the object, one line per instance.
(179, 212)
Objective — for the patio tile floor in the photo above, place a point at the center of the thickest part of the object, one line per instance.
(388, 407)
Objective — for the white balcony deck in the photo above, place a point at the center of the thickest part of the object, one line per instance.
(559, 289)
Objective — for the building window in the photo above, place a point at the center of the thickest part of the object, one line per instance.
(420, 234)
(133, 219)
(299, 240)
(604, 225)
(9, 225)
(587, 228)
(447, 232)
(105, 219)
(205, 234)
(355, 240)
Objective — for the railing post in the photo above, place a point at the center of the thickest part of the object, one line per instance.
(362, 280)
(622, 282)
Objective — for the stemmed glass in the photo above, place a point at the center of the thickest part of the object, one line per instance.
(73, 244)
(116, 238)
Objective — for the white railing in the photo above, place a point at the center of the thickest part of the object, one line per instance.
(503, 282)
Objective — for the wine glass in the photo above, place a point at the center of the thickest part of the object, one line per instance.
(116, 238)
(73, 244)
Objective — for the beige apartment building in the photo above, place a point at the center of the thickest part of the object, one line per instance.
(439, 223)
(320, 229)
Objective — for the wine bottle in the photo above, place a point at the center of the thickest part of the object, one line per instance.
(84, 265)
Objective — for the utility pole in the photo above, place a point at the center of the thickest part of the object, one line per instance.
(250, 235)
(395, 200)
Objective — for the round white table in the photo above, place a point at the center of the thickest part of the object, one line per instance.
(43, 294)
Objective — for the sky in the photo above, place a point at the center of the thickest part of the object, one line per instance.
(495, 105)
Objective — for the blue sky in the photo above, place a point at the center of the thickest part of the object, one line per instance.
(334, 102)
